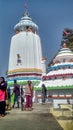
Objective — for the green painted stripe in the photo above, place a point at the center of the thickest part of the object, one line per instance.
(54, 88)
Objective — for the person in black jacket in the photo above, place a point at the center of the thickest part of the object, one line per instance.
(3, 87)
(44, 93)
(22, 98)
(16, 91)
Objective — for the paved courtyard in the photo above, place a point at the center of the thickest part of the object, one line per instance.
(39, 118)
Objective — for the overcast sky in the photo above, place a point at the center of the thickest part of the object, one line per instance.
(51, 16)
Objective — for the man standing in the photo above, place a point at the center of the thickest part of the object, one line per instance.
(44, 93)
(16, 92)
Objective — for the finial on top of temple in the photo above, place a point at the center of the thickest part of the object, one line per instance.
(26, 23)
(26, 10)
(64, 45)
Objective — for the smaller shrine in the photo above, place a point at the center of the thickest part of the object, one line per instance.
(59, 79)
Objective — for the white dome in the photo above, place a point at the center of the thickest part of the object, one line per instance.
(64, 53)
(25, 22)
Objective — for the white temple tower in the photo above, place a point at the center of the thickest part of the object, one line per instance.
(25, 59)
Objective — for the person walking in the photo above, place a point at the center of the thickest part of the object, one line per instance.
(3, 96)
(29, 95)
(44, 93)
(22, 99)
(16, 92)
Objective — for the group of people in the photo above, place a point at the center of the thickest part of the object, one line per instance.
(28, 93)
(18, 93)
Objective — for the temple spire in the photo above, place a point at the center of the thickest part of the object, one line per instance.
(26, 10)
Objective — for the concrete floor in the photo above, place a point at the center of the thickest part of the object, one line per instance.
(40, 118)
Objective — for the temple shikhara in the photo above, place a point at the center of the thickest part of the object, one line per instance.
(27, 63)
(25, 59)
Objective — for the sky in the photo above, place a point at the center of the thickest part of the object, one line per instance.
(51, 16)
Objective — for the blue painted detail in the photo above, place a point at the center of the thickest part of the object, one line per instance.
(25, 79)
(59, 67)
